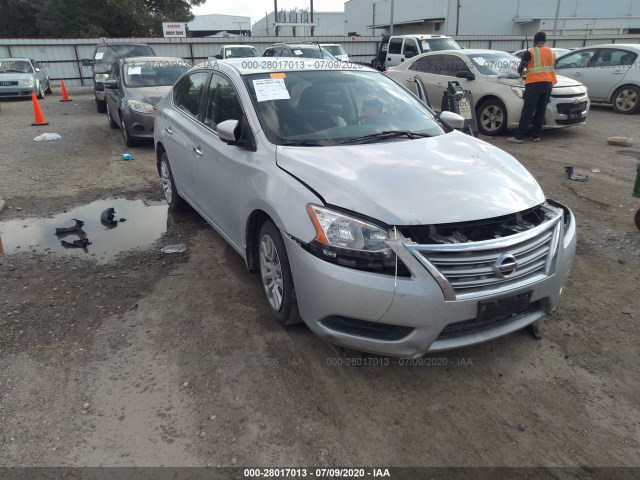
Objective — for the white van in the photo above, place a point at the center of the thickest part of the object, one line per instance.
(396, 49)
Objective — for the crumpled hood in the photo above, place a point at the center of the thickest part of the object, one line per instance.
(150, 95)
(443, 179)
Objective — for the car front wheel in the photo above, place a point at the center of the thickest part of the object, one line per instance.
(276, 275)
(101, 106)
(492, 117)
(40, 93)
(112, 122)
(129, 142)
(175, 201)
(626, 100)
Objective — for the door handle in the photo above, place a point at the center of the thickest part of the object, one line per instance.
(169, 131)
(198, 151)
(408, 80)
(577, 74)
(438, 84)
(617, 72)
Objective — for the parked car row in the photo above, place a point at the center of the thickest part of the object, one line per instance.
(364, 213)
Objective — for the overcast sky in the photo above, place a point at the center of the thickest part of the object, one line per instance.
(256, 9)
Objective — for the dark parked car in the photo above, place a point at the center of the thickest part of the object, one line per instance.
(136, 87)
(103, 59)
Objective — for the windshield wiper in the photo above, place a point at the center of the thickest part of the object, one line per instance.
(385, 135)
(300, 144)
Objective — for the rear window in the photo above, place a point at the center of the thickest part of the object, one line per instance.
(437, 44)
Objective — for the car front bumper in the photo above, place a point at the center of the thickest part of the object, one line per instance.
(140, 124)
(14, 91)
(410, 316)
(561, 112)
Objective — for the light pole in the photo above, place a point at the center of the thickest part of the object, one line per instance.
(391, 20)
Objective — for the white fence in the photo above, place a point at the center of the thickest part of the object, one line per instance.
(62, 57)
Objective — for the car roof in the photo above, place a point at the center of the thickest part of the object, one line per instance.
(421, 35)
(237, 45)
(119, 44)
(466, 51)
(633, 46)
(152, 59)
(15, 58)
(244, 67)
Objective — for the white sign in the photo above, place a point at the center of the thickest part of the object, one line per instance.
(271, 89)
(178, 30)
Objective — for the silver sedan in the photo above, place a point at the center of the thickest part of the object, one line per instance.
(367, 217)
(20, 77)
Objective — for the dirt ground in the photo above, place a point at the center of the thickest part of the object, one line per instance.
(173, 360)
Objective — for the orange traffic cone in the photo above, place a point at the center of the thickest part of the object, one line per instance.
(37, 113)
(65, 95)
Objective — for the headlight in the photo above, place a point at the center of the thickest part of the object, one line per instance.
(518, 91)
(140, 107)
(27, 83)
(101, 77)
(351, 242)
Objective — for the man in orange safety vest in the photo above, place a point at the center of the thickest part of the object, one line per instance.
(541, 77)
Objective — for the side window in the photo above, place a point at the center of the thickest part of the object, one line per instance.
(269, 52)
(410, 48)
(609, 57)
(428, 64)
(452, 64)
(575, 60)
(222, 102)
(190, 91)
(285, 52)
(395, 45)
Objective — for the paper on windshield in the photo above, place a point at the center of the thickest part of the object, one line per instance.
(479, 60)
(134, 70)
(271, 89)
(99, 55)
(298, 52)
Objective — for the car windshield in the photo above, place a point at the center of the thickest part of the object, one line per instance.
(437, 44)
(309, 52)
(153, 73)
(15, 66)
(240, 52)
(495, 63)
(335, 50)
(317, 108)
(111, 53)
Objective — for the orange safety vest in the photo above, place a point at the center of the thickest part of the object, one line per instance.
(540, 67)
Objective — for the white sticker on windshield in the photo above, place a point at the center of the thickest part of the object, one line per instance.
(298, 52)
(271, 89)
(479, 60)
(425, 45)
(134, 70)
(99, 55)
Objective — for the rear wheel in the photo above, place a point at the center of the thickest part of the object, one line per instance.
(276, 275)
(40, 93)
(175, 201)
(492, 117)
(626, 100)
(48, 90)
(101, 106)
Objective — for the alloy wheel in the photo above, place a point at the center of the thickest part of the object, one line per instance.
(167, 187)
(271, 272)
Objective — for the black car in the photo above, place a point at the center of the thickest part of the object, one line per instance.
(104, 56)
(299, 50)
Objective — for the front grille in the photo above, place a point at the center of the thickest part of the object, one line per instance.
(567, 95)
(471, 269)
(567, 108)
(23, 93)
(363, 328)
(573, 121)
(472, 326)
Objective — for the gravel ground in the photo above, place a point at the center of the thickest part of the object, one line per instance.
(173, 360)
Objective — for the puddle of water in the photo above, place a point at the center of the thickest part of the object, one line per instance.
(144, 224)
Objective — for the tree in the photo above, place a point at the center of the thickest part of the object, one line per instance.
(88, 18)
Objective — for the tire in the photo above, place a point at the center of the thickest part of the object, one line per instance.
(48, 90)
(101, 106)
(275, 275)
(636, 219)
(112, 122)
(171, 195)
(492, 117)
(626, 100)
(128, 141)
(40, 93)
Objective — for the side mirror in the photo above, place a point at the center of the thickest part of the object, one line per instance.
(37, 69)
(86, 62)
(229, 131)
(219, 57)
(467, 75)
(452, 119)
(112, 84)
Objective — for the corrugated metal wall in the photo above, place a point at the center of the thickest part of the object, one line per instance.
(61, 57)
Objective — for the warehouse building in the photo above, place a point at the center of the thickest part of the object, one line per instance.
(209, 25)
(496, 17)
(295, 23)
